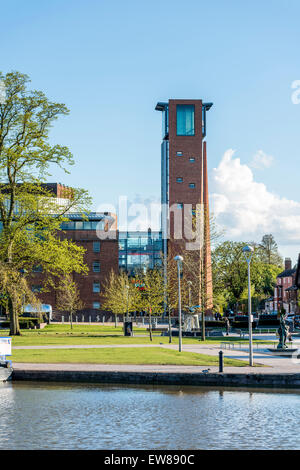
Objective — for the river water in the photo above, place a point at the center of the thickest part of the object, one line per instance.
(75, 416)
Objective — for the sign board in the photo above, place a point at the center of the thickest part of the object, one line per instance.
(5, 346)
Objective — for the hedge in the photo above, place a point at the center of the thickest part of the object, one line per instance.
(24, 323)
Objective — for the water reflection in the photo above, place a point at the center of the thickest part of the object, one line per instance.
(72, 416)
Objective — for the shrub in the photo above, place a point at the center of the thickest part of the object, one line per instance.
(24, 322)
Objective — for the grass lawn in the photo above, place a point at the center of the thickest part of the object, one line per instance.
(120, 356)
(100, 334)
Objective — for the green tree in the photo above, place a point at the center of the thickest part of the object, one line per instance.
(30, 216)
(230, 273)
(229, 270)
(152, 297)
(120, 294)
(68, 296)
(172, 282)
(269, 251)
(15, 289)
(196, 266)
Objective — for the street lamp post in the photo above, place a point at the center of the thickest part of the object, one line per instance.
(248, 252)
(179, 259)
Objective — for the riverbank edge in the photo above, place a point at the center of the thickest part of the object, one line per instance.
(284, 380)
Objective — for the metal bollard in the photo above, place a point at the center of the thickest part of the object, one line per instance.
(221, 361)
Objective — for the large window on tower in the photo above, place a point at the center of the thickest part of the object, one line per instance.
(185, 119)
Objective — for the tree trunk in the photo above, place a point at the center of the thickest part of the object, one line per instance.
(170, 330)
(14, 320)
(71, 319)
(116, 316)
(150, 326)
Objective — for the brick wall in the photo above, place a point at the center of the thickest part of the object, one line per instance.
(108, 258)
(195, 171)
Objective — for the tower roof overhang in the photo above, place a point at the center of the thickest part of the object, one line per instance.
(161, 106)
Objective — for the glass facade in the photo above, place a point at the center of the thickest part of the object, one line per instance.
(185, 119)
(165, 122)
(140, 250)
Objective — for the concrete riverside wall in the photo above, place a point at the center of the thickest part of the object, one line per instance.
(161, 378)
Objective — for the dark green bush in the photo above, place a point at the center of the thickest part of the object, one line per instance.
(24, 322)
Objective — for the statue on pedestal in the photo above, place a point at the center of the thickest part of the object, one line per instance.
(282, 331)
(191, 320)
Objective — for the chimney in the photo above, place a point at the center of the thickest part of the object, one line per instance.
(287, 263)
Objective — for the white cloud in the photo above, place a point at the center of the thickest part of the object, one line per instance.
(261, 160)
(247, 210)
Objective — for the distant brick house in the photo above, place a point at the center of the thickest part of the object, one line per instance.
(285, 291)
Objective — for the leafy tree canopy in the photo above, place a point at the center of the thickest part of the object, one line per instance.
(31, 215)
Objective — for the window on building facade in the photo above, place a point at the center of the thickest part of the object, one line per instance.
(179, 205)
(179, 154)
(96, 266)
(87, 225)
(122, 244)
(185, 119)
(93, 225)
(96, 305)
(79, 225)
(96, 287)
(192, 185)
(179, 180)
(36, 288)
(96, 247)
(192, 159)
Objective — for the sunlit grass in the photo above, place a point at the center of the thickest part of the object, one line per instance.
(102, 335)
(157, 356)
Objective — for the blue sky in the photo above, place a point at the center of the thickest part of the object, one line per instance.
(111, 61)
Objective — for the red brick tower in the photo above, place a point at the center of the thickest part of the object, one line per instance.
(185, 186)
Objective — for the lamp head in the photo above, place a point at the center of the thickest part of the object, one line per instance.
(178, 258)
(248, 252)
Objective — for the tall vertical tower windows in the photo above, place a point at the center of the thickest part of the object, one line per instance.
(185, 119)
